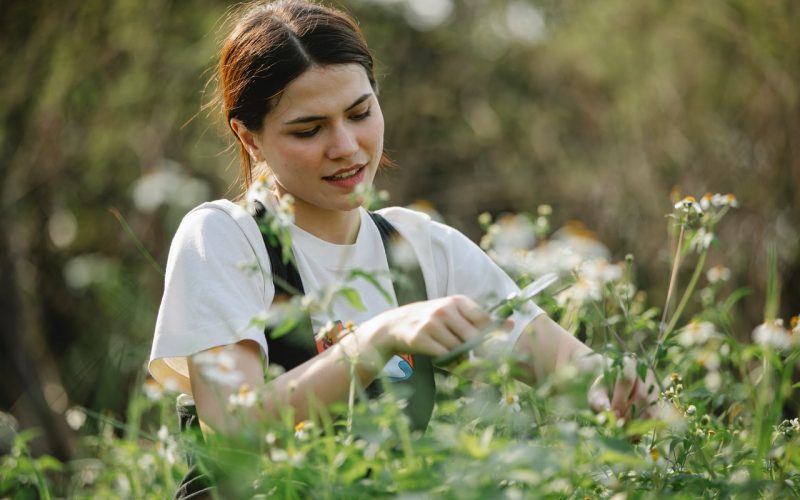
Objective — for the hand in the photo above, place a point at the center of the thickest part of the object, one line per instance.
(433, 327)
(631, 397)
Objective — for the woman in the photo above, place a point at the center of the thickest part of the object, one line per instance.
(299, 94)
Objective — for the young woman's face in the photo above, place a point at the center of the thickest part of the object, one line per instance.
(324, 137)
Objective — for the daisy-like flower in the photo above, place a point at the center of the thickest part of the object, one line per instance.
(696, 333)
(510, 402)
(218, 367)
(260, 191)
(166, 446)
(584, 290)
(245, 397)
(689, 205)
(600, 270)
(702, 240)
(723, 200)
(705, 201)
(302, 429)
(772, 335)
(717, 274)
(713, 381)
(75, 418)
(510, 234)
(402, 254)
(152, 389)
(691, 410)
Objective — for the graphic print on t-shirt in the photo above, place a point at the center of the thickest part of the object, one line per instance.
(400, 367)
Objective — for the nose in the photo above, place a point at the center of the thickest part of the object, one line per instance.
(343, 143)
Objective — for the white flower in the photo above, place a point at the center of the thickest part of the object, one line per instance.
(510, 233)
(402, 254)
(600, 270)
(166, 446)
(75, 418)
(702, 240)
(691, 409)
(713, 381)
(146, 462)
(510, 402)
(245, 397)
(163, 433)
(302, 428)
(708, 359)
(721, 200)
(152, 389)
(772, 335)
(705, 201)
(122, 485)
(696, 333)
(688, 205)
(717, 274)
(740, 476)
(583, 290)
(278, 455)
(218, 366)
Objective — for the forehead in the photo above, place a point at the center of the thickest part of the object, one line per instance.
(321, 91)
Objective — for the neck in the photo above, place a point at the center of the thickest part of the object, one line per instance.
(334, 226)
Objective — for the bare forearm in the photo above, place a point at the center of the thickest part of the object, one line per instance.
(324, 379)
(545, 347)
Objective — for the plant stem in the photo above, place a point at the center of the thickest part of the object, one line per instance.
(687, 294)
(116, 213)
(672, 280)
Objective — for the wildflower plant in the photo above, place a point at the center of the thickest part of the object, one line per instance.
(719, 426)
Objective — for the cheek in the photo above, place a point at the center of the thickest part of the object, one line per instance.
(376, 132)
(296, 157)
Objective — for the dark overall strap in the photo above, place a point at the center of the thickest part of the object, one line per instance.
(298, 346)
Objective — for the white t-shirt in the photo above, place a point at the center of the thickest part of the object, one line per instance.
(218, 279)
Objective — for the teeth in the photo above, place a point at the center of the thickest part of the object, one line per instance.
(345, 175)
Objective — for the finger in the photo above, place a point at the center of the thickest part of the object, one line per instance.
(430, 346)
(623, 389)
(472, 311)
(444, 335)
(648, 394)
(598, 396)
(459, 326)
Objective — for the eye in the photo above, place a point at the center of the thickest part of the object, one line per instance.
(362, 116)
(306, 133)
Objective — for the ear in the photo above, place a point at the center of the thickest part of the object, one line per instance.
(247, 138)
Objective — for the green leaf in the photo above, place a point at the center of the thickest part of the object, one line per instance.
(284, 327)
(357, 273)
(353, 298)
(641, 369)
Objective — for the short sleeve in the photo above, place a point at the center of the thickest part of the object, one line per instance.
(467, 270)
(214, 287)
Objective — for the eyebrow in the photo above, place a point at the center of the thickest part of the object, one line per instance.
(306, 119)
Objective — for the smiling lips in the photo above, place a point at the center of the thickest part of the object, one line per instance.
(347, 178)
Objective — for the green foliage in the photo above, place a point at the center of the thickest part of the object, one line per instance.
(718, 428)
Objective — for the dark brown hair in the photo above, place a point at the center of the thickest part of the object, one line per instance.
(271, 44)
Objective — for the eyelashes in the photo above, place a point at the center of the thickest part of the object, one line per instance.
(304, 134)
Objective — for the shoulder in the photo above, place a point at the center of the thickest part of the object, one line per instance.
(216, 222)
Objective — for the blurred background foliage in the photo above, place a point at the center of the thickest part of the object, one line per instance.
(600, 109)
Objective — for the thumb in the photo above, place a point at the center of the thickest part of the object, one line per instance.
(598, 396)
